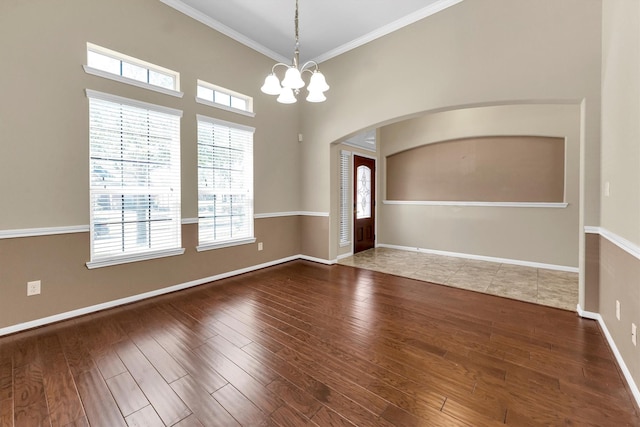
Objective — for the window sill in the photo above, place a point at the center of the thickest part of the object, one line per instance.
(224, 107)
(106, 262)
(106, 75)
(228, 243)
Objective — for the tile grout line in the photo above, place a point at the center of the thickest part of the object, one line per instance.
(452, 270)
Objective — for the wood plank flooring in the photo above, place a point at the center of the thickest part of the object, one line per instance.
(304, 344)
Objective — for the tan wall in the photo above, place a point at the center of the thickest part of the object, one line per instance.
(44, 113)
(314, 240)
(44, 147)
(592, 273)
(619, 272)
(619, 280)
(479, 169)
(476, 52)
(620, 113)
(58, 261)
(544, 235)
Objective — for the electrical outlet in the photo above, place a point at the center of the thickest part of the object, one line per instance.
(607, 189)
(260, 246)
(634, 334)
(618, 309)
(33, 288)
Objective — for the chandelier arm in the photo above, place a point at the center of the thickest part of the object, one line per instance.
(307, 66)
(289, 88)
(273, 69)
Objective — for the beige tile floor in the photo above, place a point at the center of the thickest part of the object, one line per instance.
(547, 287)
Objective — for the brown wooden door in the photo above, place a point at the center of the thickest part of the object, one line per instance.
(364, 201)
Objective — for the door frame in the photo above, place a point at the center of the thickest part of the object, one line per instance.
(352, 201)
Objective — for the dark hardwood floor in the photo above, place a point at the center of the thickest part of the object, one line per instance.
(303, 344)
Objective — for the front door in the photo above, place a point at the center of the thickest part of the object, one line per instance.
(364, 197)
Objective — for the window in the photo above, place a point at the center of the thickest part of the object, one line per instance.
(225, 183)
(135, 180)
(345, 199)
(363, 192)
(216, 96)
(111, 64)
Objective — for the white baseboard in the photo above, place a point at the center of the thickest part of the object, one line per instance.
(122, 301)
(483, 258)
(319, 260)
(612, 344)
(343, 256)
(587, 314)
(134, 298)
(291, 213)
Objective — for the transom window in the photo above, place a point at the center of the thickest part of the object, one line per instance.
(225, 183)
(220, 97)
(130, 69)
(134, 159)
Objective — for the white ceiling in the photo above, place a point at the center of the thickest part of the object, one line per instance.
(327, 27)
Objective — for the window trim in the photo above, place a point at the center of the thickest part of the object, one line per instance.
(132, 82)
(249, 112)
(243, 240)
(134, 61)
(124, 259)
(202, 118)
(225, 244)
(90, 93)
(134, 257)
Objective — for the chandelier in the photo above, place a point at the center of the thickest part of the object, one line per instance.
(292, 82)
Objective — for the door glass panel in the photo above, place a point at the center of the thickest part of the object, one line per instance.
(363, 193)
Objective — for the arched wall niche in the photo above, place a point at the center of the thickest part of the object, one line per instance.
(489, 169)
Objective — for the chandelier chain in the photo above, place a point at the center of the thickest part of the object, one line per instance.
(296, 25)
(289, 88)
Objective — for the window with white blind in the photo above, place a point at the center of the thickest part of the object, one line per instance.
(225, 183)
(345, 197)
(134, 180)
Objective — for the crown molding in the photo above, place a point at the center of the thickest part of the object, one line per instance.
(253, 44)
(220, 27)
(432, 9)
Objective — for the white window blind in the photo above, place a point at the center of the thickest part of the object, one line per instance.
(345, 197)
(135, 177)
(225, 182)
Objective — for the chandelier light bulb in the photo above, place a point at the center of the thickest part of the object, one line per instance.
(286, 96)
(293, 79)
(292, 82)
(271, 85)
(316, 96)
(318, 82)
